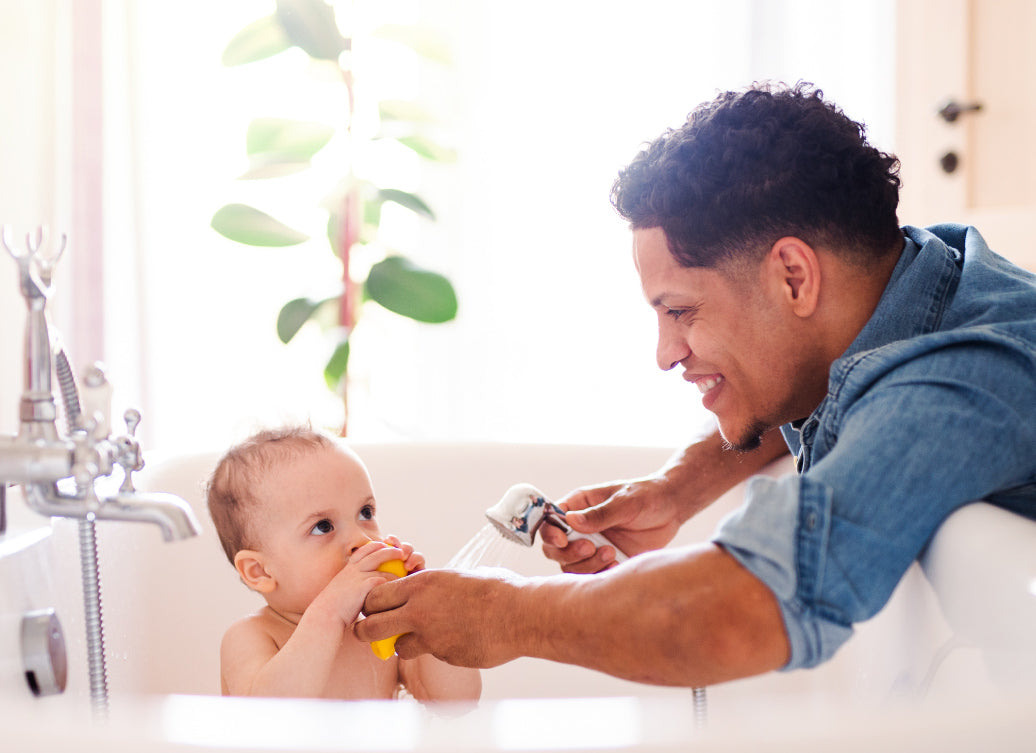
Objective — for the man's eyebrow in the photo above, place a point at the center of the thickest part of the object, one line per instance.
(659, 301)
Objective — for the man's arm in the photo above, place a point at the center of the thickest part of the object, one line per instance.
(645, 514)
(686, 617)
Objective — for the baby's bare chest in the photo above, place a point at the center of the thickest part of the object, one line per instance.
(356, 673)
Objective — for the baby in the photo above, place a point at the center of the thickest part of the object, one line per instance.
(295, 513)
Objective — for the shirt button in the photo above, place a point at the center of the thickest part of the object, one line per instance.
(811, 521)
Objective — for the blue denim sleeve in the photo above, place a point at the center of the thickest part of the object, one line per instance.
(780, 518)
(903, 444)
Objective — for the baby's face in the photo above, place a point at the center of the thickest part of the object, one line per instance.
(316, 511)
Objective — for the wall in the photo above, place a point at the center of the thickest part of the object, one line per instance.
(31, 150)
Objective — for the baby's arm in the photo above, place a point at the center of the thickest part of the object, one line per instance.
(251, 663)
(428, 678)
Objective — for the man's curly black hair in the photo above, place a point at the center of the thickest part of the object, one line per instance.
(753, 166)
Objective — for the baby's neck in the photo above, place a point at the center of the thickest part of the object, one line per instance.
(288, 617)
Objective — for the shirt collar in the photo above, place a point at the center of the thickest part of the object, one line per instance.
(921, 285)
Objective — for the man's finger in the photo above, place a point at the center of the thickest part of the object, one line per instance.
(383, 619)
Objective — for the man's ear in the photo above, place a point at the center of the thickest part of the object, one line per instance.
(250, 567)
(796, 269)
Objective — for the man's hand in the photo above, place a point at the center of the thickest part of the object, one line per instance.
(459, 617)
(636, 516)
(646, 513)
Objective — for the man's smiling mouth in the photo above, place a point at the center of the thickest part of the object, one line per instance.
(705, 384)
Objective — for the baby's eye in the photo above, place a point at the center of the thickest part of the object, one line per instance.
(367, 512)
(322, 527)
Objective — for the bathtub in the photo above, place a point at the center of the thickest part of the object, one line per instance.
(947, 665)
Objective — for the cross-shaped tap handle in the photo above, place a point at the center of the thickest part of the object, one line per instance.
(130, 457)
(132, 419)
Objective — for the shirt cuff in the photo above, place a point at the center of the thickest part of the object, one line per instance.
(779, 535)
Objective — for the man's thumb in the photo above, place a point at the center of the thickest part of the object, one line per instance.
(591, 519)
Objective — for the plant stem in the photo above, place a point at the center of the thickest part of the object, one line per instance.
(351, 220)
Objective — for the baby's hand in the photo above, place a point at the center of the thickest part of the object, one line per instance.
(345, 593)
(412, 560)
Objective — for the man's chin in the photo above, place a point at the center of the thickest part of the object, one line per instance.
(748, 439)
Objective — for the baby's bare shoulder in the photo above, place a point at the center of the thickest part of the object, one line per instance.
(262, 627)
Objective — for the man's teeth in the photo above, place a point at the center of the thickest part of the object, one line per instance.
(704, 385)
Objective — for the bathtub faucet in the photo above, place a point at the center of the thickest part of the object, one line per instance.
(40, 455)
(41, 458)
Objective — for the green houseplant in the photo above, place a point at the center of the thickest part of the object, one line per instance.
(277, 147)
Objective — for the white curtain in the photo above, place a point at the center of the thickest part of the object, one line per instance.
(545, 102)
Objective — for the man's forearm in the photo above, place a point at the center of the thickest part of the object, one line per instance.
(705, 470)
(687, 617)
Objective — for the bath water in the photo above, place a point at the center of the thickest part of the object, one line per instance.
(487, 548)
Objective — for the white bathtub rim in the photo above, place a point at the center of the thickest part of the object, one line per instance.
(204, 723)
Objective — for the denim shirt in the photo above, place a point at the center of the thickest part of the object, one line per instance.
(931, 407)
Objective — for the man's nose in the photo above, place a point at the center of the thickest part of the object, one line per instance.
(671, 349)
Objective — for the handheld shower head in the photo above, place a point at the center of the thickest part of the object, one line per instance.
(523, 510)
(520, 513)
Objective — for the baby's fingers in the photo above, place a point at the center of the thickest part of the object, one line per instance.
(374, 554)
(414, 562)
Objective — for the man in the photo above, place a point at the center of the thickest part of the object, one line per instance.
(898, 364)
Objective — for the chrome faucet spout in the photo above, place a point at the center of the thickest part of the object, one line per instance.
(172, 515)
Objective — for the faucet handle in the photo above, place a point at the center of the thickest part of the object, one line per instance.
(128, 448)
(36, 267)
(96, 399)
(132, 419)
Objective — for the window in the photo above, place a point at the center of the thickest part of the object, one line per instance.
(546, 101)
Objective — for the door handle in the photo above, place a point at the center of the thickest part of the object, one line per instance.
(953, 110)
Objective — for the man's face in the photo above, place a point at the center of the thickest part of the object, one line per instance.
(726, 335)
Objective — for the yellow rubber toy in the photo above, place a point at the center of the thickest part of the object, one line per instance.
(386, 647)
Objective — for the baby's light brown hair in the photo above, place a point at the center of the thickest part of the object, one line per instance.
(231, 490)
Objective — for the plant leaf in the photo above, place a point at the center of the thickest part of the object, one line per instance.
(428, 148)
(337, 365)
(404, 110)
(334, 233)
(273, 165)
(259, 40)
(413, 202)
(294, 314)
(412, 291)
(245, 224)
(300, 139)
(422, 40)
(311, 26)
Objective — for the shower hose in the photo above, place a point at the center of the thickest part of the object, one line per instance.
(88, 562)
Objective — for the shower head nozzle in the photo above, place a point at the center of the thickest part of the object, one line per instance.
(519, 513)
(523, 510)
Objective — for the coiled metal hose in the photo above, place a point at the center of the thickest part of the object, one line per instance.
(93, 618)
(701, 707)
(92, 614)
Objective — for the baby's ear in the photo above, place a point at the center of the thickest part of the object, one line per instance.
(249, 565)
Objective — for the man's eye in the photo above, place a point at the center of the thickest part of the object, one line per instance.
(684, 315)
(367, 512)
(324, 526)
